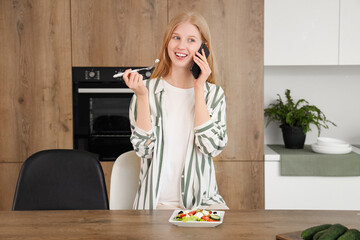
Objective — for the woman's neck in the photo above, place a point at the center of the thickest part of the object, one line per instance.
(180, 77)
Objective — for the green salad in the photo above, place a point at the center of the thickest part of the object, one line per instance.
(197, 215)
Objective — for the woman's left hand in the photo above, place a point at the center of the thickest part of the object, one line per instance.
(201, 61)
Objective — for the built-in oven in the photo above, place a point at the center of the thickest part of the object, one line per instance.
(101, 111)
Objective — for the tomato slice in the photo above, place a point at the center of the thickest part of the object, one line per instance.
(181, 215)
(192, 213)
(206, 218)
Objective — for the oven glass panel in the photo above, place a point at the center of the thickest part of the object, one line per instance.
(109, 116)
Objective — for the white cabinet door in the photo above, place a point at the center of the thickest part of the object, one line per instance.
(301, 32)
(349, 52)
(309, 193)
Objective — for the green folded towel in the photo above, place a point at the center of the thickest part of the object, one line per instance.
(305, 162)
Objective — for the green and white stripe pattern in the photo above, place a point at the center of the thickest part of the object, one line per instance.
(198, 182)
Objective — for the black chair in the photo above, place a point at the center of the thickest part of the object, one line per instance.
(61, 179)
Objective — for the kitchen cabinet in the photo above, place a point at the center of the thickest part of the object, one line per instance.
(349, 47)
(301, 32)
(237, 38)
(117, 32)
(241, 183)
(9, 173)
(321, 32)
(308, 192)
(35, 92)
(35, 77)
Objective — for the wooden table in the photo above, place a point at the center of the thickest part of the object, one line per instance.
(247, 224)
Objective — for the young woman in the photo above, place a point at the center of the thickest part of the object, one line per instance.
(178, 122)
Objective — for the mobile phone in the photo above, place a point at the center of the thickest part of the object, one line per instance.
(195, 69)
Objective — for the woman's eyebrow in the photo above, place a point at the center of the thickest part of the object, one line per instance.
(191, 36)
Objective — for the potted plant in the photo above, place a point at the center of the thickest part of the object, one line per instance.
(295, 119)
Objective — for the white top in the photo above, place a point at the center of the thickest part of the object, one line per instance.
(178, 119)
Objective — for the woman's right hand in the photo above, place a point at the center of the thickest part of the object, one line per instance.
(134, 81)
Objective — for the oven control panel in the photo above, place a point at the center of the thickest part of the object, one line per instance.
(103, 74)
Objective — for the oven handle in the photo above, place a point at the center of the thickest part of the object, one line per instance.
(105, 90)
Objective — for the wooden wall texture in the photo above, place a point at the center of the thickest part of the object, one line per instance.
(237, 35)
(35, 78)
(117, 32)
(41, 40)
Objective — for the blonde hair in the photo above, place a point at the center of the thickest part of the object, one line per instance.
(163, 67)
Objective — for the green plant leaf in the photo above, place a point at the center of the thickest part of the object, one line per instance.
(300, 114)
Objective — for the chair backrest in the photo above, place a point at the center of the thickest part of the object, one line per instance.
(124, 181)
(61, 179)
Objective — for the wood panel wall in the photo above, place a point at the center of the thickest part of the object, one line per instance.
(237, 35)
(117, 32)
(35, 78)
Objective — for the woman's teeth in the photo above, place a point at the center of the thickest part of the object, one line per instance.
(180, 54)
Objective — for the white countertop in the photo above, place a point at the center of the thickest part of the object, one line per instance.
(270, 155)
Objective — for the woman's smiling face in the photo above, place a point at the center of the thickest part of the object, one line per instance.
(184, 43)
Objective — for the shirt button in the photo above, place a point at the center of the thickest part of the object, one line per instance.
(182, 176)
(182, 193)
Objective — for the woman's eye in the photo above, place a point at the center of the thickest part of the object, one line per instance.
(176, 37)
(191, 40)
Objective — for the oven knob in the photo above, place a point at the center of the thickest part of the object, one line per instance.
(148, 74)
(92, 74)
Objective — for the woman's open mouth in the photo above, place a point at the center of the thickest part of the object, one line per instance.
(180, 56)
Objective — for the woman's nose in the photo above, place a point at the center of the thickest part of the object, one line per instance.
(181, 44)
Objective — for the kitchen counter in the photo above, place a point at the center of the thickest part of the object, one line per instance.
(271, 155)
(133, 224)
(308, 192)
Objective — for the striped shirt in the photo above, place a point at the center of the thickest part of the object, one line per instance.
(198, 182)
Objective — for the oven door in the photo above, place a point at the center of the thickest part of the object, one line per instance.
(101, 121)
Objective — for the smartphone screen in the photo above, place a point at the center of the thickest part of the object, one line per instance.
(195, 69)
